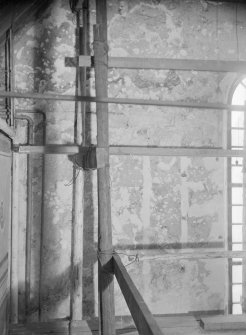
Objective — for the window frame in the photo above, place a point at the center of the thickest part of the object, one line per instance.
(230, 185)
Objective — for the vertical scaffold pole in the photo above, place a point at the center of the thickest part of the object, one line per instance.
(105, 264)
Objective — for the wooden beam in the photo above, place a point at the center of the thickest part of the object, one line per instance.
(123, 101)
(77, 246)
(164, 64)
(48, 149)
(105, 266)
(224, 322)
(101, 153)
(178, 152)
(178, 255)
(84, 157)
(144, 321)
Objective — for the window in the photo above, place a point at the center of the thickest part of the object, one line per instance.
(236, 190)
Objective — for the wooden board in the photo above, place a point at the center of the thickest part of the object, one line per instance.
(130, 150)
(170, 325)
(162, 64)
(144, 320)
(224, 322)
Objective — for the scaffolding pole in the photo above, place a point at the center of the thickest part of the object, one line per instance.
(105, 261)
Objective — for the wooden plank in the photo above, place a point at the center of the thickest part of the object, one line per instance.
(144, 321)
(170, 325)
(176, 321)
(174, 255)
(105, 270)
(177, 64)
(48, 149)
(61, 149)
(174, 152)
(162, 64)
(169, 64)
(224, 322)
(124, 101)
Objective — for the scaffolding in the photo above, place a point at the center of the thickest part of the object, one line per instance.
(109, 262)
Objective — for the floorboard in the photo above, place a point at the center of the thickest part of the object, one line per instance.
(170, 325)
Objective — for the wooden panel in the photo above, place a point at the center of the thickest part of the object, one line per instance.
(142, 317)
(224, 322)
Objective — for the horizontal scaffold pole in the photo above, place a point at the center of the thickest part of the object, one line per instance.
(180, 255)
(123, 101)
(183, 152)
(130, 150)
(162, 64)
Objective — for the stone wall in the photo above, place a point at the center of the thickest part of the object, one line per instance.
(157, 202)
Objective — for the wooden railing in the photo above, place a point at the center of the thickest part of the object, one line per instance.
(144, 320)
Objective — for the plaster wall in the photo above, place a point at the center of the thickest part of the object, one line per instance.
(39, 51)
(157, 202)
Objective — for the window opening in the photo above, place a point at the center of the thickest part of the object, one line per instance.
(236, 191)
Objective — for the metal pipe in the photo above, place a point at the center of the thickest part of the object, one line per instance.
(30, 140)
(43, 114)
(20, 114)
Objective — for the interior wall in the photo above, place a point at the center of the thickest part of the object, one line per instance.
(171, 203)
(157, 202)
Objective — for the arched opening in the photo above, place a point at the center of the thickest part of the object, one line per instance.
(236, 196)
